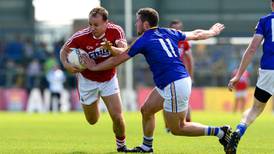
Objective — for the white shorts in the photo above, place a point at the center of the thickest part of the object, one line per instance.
(241, 93)
(266, 80)
(176, 95)
(90, 91)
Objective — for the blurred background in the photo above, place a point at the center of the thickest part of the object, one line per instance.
(33, 31)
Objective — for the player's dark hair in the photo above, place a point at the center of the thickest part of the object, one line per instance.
(175, 22)
(101, 11)
(150, 15)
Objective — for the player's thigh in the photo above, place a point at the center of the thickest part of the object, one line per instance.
(89, 98)
(153, 103)
(175, 120)
(110, 93)
(88, 90)
(266, 81)
(177, 95)
(91, 112)
(113, 104)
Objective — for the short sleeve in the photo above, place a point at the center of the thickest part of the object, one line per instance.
(119, 34)
(136, 47)
(181, 35)
(259, 28)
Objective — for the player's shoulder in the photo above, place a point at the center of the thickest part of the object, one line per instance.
(168, 30)
(267, 17)
(78, 35)
(82, 32)
(114, 27)
(171, 31)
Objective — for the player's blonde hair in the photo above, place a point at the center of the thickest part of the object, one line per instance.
(101, 11)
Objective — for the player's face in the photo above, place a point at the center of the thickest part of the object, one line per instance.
(139, 26)
(97, 25)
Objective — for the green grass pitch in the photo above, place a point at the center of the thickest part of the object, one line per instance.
(69, 133)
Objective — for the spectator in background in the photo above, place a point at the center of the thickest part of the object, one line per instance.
(57, 47)
(14, 50)
(50, 62)
(34, 73)
(241, 91)
(41, 52)
(56, 79)
(10, 74)
(29, 49)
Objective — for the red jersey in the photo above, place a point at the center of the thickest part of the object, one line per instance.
(243, 82)
(183, 47)
(85, 40)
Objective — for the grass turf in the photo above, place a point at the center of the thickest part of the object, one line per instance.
(69, 133)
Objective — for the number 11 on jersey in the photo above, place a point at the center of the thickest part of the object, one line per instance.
(164, 45)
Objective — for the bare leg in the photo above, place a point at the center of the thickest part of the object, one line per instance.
(188, 115)
(153, 104)
(113, 104)
(91, 112)
(252, 113)
(236, 105)
(242, 103)
(178, 126)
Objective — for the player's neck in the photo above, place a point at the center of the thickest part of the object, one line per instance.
(149, 28)
(99, 36)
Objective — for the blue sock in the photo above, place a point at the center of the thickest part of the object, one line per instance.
(241, 128)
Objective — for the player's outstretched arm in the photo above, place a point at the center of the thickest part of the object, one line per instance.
(200, 34)
(246, 59)
(121, 47)
(107, 64)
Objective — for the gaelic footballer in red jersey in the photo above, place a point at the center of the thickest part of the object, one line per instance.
(186, 56)
(87, 41)
(104, 84)
(241, 91)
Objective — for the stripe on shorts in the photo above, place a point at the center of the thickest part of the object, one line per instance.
(173, 98)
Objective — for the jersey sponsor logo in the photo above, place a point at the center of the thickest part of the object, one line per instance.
(89, 47)
(98, 53)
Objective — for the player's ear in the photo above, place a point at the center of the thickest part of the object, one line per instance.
(146, 25)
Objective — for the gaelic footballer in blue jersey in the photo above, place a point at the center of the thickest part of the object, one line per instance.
(265, 83)
(173, 84)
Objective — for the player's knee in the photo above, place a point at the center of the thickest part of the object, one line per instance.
(118, 119)
(175, 131)
(92, 121)
(178, 131)
(145, 111)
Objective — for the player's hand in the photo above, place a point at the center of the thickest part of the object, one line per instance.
(232, 83)
(72, 69)
(217, 28)
(88, 62)
(106, 44)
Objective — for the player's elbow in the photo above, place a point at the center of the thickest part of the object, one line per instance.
(251, 50)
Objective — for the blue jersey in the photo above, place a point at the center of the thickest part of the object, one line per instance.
(160, 48)
(265, 28)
